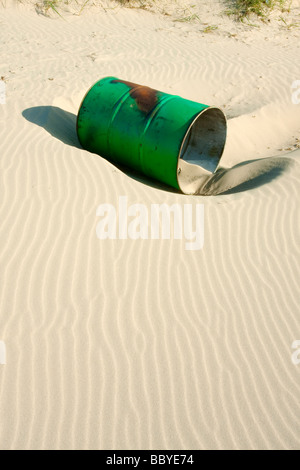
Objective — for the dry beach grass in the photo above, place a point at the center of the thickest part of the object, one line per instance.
(240, 9)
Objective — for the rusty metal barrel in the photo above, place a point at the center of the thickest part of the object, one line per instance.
(173, 140)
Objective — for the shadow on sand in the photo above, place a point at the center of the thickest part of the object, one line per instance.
(244, 176)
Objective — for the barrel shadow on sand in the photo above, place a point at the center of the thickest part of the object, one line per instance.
(244, 176)
(59, 123)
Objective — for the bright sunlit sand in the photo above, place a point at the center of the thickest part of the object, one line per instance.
(144, 344)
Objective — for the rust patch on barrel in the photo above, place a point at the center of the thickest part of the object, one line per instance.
(144, 96)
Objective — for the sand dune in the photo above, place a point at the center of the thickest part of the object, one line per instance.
(142, 344)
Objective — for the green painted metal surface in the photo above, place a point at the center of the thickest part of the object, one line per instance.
(136, 126)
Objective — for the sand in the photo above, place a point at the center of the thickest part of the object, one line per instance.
(142, 344)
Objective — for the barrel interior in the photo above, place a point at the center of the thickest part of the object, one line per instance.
(201, 149)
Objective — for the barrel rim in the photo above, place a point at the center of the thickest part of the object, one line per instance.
(206, 172)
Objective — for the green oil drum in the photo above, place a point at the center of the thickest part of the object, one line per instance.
(173, 140)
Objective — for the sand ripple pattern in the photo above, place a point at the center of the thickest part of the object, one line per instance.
(123, 344)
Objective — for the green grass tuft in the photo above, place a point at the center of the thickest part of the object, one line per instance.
(187, 19)
(242, 9)
(210, 28)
